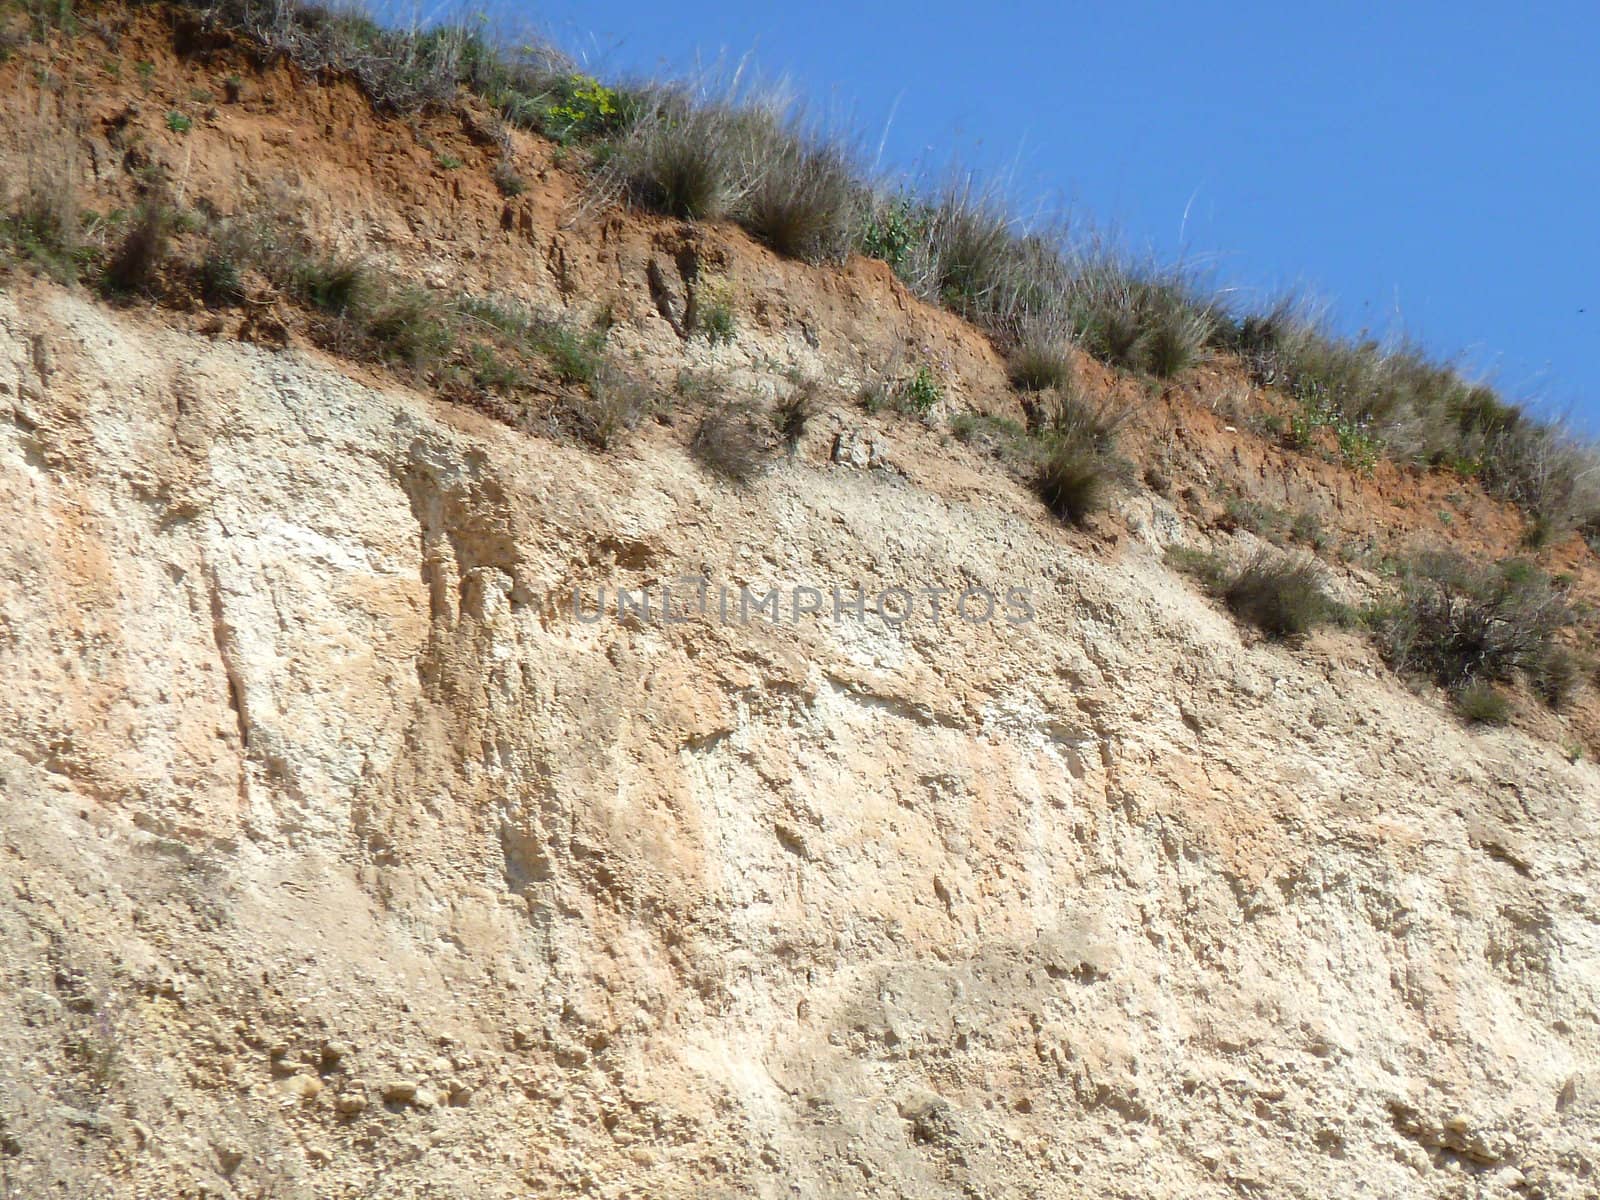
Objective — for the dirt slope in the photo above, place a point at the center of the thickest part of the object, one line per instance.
(340, 860)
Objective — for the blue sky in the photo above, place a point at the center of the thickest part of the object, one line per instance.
(1427, 167)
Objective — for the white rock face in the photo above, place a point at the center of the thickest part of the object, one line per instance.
(337, 858)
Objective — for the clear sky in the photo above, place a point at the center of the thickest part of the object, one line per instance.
(1427, 167)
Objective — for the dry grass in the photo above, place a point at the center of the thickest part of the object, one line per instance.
(1077, 468)
(805, 199)
(614, 403)
(1041, 359)
(731, 441)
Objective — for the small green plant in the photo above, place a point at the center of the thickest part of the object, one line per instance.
(1174, 335)
(403, 326)
(1481, 703)
(1358, 445)
(791, 414)
(146, 71)
(448, 162)
(893, 231)
(507, 180)
(179, 123)
(715, 320)
(1555, 675)
(221, 283)
(921, 393)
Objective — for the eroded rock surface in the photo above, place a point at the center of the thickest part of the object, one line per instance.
(339, 859)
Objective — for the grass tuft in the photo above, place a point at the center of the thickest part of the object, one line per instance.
(1280, 595)
(1041, 359)
(43, 226)
(613, 403)
(804, 200)
(136, 262)
(1076, 468)
(793, 412)
(1481, 704)
(730, 442)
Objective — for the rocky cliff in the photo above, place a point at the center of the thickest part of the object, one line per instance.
(342, 857)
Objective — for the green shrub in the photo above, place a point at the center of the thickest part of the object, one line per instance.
(574, 355)
(178, 123)
(895, 230)
(507, 180)
(137, 260)
(1457, 622)
(1280, 595)
(1481, 704)
(1000, 432)
(978, 264)
(221, 284)
(576, 108)
(1263, 520)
